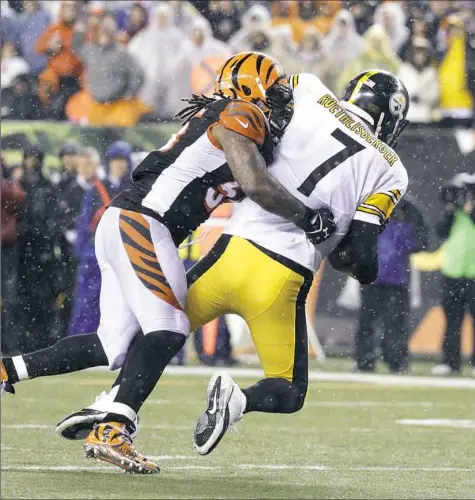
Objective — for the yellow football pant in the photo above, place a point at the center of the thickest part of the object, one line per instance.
(267, 290)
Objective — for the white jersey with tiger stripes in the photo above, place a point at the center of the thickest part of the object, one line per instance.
(328, 158)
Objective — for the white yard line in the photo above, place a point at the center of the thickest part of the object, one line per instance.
(321, 376)
(247, 467)
(28, 426)
(395, 380)
(51, 427)
(439, 422)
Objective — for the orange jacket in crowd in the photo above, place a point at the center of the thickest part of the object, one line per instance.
(289, 13)
(64, 62)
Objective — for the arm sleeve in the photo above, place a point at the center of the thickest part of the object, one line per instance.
(444, 226)
(79, 47)
(357, 253)
(378, 207)
(42, 42)
(136, 76)
(245, 119)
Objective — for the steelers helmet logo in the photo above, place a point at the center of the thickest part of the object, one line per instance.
(397, 103)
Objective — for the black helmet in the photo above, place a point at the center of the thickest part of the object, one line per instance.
(380, 98)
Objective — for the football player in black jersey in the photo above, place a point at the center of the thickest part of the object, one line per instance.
(221, 149)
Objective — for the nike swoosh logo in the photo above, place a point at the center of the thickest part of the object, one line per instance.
(245, 125)
(214, 405)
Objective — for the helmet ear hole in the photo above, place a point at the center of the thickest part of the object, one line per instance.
(247, 91)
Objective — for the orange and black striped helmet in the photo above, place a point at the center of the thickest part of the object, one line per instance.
(247, 76)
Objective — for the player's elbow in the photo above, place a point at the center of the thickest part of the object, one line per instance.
(366, 274)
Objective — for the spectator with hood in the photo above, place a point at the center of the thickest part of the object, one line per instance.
(158, 66)
(420, 78)
(311, 56)
(377, 52)
(342, 43)
(224, 17)
(183, 13)
(12, 196)
(85, 315)
(12, 66)
(38, 235)
(113, 77)
(60, 80)
(137, 20)
(391, 16)
(363, 12)
(29, 26)
(256, 19)
(201, 52)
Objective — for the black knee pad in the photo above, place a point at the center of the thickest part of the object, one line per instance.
(293, 400)
(171, 341)
(275, 395)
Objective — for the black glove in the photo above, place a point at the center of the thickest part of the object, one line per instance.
(319, 225)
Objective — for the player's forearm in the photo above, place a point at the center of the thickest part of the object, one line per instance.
(249, 170)
(273, 197)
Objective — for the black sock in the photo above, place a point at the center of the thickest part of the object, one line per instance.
(274, 395)
(11, 371)
(68, 355)
(144, 365)
(137, 338)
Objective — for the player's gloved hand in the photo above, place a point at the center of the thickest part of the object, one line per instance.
(319, 225)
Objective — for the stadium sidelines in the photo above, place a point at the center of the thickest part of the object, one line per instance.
(316, 376)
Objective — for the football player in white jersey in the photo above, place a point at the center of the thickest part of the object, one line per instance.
(223, 147)
(334, 154)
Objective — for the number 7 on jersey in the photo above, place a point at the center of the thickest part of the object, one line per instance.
(351, 148)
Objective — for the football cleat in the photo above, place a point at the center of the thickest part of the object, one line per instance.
(79, 424)
(112, 443)
(226, 404)
(5, 385)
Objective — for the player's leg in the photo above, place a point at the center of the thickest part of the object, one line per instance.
(453, 299)
(364, 337)
(270, 296)
(280, 337)
(144, 258)
(68, 355)
(206, 300)
(396, 329)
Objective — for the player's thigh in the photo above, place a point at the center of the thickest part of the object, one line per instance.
(279, 332)
(208, 281)
(150, 272)
(118, 325)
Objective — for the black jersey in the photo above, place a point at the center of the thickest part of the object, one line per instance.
(184, 181)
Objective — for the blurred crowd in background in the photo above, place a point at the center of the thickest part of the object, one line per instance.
(119, 62)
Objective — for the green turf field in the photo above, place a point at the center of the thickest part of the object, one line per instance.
(345, 443)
